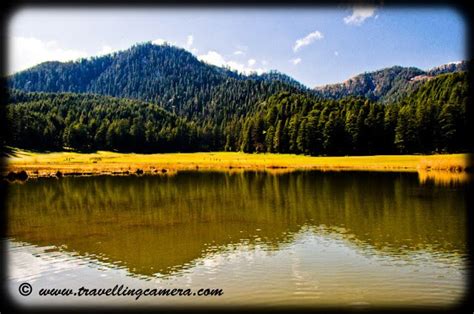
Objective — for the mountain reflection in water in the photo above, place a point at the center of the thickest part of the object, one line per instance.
(163, 225)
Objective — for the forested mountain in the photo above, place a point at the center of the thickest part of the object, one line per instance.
(387, 85)
(162, 74)
(177, 80)
(432, 119)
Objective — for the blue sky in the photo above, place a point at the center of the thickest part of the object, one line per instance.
(315, 45)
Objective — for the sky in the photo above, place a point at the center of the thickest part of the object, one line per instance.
(314, 45)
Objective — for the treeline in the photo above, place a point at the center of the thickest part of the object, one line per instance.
(432, 119)
(49, 121)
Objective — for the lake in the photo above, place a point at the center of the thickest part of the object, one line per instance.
(355, 239)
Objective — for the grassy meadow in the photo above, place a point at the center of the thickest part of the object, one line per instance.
(104, 162)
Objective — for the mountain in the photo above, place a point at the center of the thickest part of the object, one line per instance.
(387, 85)
(162, 74)
(177, 80)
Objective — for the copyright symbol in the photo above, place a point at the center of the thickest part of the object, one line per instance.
(25, 289)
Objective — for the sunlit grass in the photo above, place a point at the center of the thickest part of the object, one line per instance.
(112, 162)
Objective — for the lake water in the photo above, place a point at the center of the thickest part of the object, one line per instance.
(310, 238)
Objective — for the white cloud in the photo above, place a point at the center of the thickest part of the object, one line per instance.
(240, 50)
(159, 41)
(308, 39)
(25, 52)
(264, 62)
(105, 50)
(241, 68)
(295, 61)
(213, 57)
(336, 53)
(189, 41)
(188, 45)
(359, 15)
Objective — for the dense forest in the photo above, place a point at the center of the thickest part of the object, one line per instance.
(433, 119)
(247, 115)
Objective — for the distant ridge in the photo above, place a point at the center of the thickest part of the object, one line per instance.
(389, 84)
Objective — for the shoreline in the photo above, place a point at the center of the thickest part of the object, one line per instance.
(58, 164)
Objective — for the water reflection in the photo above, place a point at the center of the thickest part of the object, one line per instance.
(161, 224)
(445, 178)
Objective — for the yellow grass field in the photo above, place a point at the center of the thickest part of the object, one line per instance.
(102, 162)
